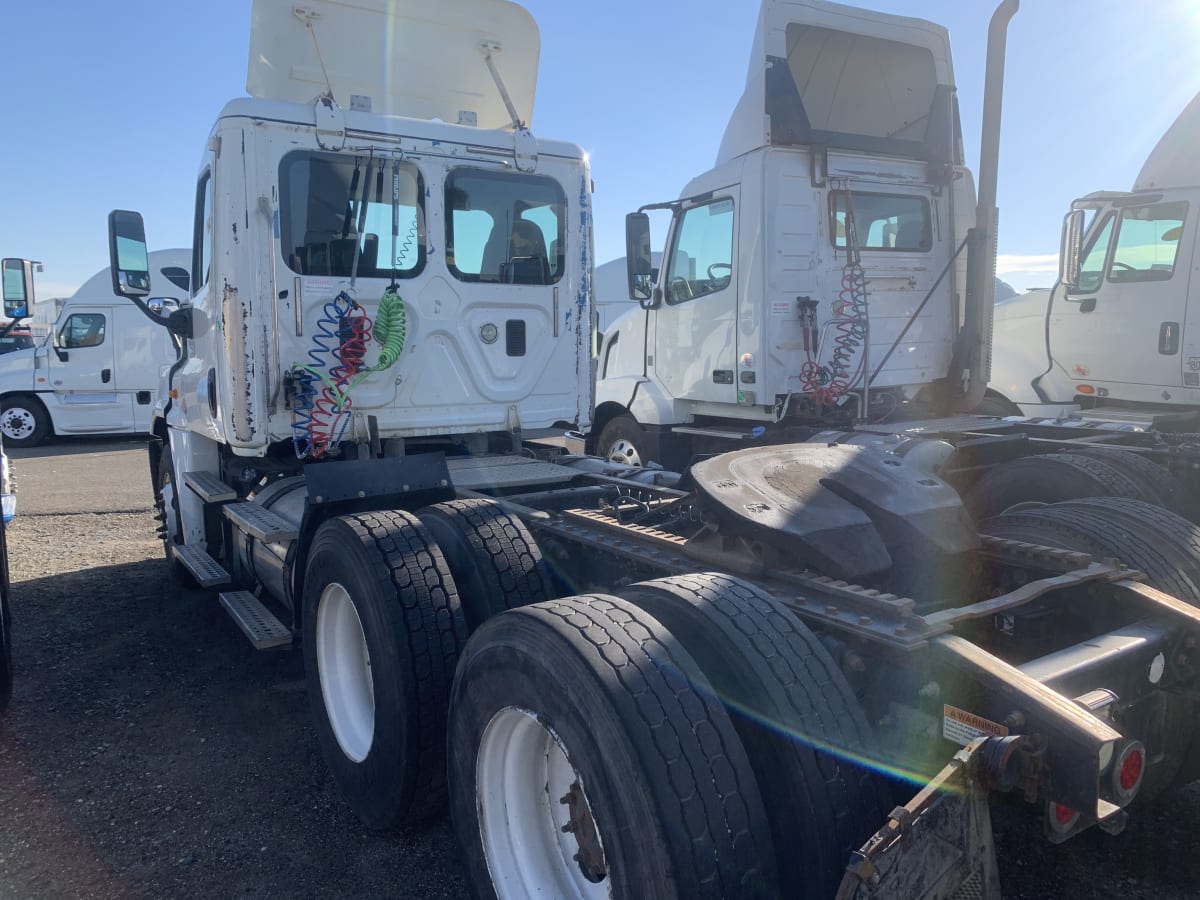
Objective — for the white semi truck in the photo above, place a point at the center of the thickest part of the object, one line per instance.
(624, 681)
(99, 369)
(1115, 337)
(819, 272)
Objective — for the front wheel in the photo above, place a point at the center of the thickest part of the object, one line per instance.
(382, 630)
(623, 440)
(590, 758)
(23, 421)
(166, 511)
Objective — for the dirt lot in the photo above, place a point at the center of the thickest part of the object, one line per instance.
(150, 751)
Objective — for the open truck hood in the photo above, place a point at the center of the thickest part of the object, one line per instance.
(364, 44)
(830, 74)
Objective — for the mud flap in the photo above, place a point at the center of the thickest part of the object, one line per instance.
(939, 845)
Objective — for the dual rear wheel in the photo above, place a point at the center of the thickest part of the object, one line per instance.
(690, 739)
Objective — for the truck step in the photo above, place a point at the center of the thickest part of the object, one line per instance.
(210, 488)
(258, 521)
(716, 431)
(207, 571)
(255, 620)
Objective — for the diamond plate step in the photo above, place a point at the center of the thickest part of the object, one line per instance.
(210, 488)
(206, 570)
(255, 620)
(258, 521)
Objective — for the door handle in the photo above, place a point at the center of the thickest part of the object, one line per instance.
(1168, 338)
(106, 375)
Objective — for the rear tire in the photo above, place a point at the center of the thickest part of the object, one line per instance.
(787, 698)
(495, 562)
(24, 421)
(1159, 486)
(382, 632)
(595, 693)
(1052, 478)
(1157, 542)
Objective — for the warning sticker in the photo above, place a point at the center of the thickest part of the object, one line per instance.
(781, 308)
(962, 727)
(318, 286)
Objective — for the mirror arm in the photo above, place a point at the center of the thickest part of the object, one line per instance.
(7, 327)
(179, 322)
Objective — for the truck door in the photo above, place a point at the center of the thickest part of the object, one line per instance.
(694, 348)
(1124, 321)
(140, 350)
(82, 375)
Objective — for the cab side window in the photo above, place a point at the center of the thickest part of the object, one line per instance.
(1091, 270)
(82, 330)
(202, 234)
(702, 260)
(1148, 242)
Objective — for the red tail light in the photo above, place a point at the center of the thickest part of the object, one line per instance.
(1060, 821)
(1128, 769)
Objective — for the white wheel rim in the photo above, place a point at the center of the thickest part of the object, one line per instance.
(344, 668)
(522, 774)
(624, 451)
(17, 423)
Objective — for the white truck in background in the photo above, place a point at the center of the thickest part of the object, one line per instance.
(759, 320)
(1117, 338)
(98, 371)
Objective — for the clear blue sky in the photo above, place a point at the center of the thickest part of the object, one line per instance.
(109, 108)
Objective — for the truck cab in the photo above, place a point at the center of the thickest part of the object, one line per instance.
(816, 271)
(98, 371)
(320, 195)
(1117, 336)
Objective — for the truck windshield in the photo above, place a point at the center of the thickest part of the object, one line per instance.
(861, 93)
(323, 219)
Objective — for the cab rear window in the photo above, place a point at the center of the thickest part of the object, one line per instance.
(897, 222)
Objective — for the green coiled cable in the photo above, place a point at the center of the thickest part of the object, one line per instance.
(390, 328)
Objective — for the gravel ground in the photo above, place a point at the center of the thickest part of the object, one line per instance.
(150, 751)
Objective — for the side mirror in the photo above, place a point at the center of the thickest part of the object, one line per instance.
(1072, 247)
(162, 306)
(18, 287)
(638, 264)
(127, 255)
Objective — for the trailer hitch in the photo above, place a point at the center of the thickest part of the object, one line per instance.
(939, 844)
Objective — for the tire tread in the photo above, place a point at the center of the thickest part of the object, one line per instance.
(696, 762)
